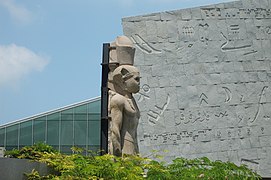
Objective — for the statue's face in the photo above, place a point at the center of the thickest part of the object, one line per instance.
(133, 84)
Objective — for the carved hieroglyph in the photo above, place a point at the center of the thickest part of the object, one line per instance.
(123, 110)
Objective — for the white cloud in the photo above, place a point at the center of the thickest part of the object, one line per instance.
(17, 61)
(16, 11)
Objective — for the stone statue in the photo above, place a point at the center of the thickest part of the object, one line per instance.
(124, 114)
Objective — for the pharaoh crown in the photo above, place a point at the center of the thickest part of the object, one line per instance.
(123, 51)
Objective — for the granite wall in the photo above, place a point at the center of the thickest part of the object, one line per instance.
(205, 87)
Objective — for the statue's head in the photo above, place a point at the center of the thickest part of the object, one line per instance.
(127, 78)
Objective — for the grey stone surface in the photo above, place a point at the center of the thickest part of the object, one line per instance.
(12, 168)
(205, 87)
(2, 151)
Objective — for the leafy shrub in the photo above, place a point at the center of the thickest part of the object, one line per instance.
(204, 168)
(30, 152)
(109, 167)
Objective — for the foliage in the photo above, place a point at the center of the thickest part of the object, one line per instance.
(204, 168)
(30, 152)
(77, 166)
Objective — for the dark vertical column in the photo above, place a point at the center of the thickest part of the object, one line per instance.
(104, 100)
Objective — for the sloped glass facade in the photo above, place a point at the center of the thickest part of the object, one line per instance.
(75, 125)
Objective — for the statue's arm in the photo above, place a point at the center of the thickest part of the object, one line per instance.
(116, 115)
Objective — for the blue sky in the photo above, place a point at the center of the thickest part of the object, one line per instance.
(50, 50)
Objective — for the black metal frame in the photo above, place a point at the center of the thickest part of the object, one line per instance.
(104, 100)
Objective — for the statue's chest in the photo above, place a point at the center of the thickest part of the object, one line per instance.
(131, 109)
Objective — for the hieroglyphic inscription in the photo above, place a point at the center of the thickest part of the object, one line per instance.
(265, 29)
(259, 104)
(203, 135)
(266, 117)
(268, 30)
(206, 25)
(250, 163)
(255, 12)
(188, 31)
(240, 118)
(242, 98)
(228, 94)
(203, 98)
(233, 13)
(203, 32)
(247, 112)
(143, 45)
(190, 117)
(155, 115)
(211, 12)
(234, 28)
(226, 46)
(144, 93)
(221, 114)
(250, 52)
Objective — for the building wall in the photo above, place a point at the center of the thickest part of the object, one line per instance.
(205, 87)
(76, 125)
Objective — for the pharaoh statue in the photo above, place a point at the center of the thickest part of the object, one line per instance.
(123, 81)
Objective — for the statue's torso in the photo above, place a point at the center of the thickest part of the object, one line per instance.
(130, 119)
(129, 127)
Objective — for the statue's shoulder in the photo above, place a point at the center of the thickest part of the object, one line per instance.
(117, 99)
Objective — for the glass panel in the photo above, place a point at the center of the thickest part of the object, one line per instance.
(12, 136)
(94, 149)
(80, 133)
(53, 133)
(39, 131)
(26, 133)
(94, 117)
(2, 137)
(66, 133)
(94, 107)
(84, 150)
(66, 117)
(81, 109)
(80, 117)
(94, 133)
(55, 147)
(43, 118)
(53, 117)
(66, 149)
